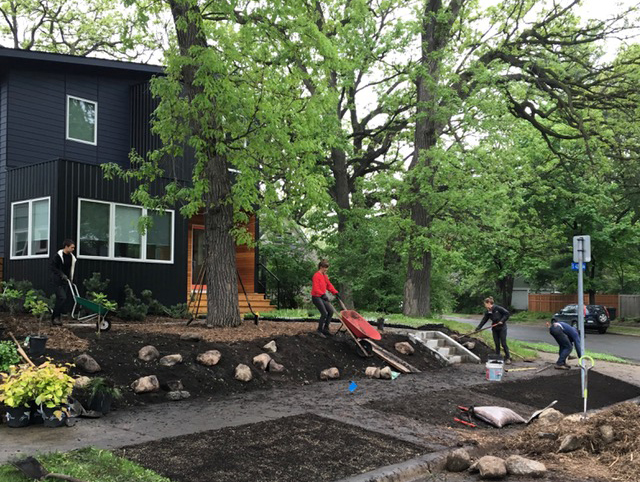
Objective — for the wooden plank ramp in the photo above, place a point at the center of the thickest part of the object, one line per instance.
(396, 362)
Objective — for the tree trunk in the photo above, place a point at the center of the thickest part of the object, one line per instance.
(220, 262)
(505, 287)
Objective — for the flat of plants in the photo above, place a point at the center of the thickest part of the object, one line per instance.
(290, 449)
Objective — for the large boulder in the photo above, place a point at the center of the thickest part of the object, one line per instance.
(209, 358)
(178, 395)
(404, 348)
(275, 367)
(569, 443)
(550, 415)
(148, 353)
(458, 460)
(171, 360)
(330, 374)
(517, 465)
(87, 364)
(189, 336)
(243, 373)
(261, 361)
(80, 382)
(606, 433)
(385, 373)
(372, 372)
(270, 347)
(146, 384)
(490, 468)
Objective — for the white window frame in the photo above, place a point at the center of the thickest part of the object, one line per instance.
(112, 233)
(30, 228)
(95, 127)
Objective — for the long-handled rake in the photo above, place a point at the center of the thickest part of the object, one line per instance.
(33, 469)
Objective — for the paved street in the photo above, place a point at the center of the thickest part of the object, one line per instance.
(623, 346)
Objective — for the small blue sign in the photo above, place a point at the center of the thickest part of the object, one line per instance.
(575, 267)
(352, 387)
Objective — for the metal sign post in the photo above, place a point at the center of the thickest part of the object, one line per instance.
(581, 254)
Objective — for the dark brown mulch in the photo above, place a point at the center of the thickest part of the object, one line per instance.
(566, 388)
(290, 449)
(304, 356)
(440, 407)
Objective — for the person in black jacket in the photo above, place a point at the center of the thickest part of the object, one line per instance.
(498, 316)
(63, 266)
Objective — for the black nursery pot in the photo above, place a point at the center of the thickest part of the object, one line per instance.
(50, 419)
(101, 402)
(37, 345)
(17, 416)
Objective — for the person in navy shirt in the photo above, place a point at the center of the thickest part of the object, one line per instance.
(567, 338)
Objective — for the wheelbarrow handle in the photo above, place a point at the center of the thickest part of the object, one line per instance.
(341, 302)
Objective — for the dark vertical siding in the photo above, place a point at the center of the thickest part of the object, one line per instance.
(142, 107)
(74, 180)
(23, 184)
(4, 85)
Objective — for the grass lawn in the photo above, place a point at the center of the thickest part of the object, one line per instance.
(88, 464)
(549, 348)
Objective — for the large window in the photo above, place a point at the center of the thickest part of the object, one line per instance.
(110, 230)
(30, 228)
(82, 120)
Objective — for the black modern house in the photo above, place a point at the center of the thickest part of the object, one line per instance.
(61, 117)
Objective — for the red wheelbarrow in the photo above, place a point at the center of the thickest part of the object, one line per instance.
(363, 334)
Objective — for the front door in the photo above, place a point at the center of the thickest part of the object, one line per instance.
(197, 258)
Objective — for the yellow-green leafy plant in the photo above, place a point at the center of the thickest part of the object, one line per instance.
(8, 355)
(17, 389)
(52, 385)
(37, 306)
(102, 300)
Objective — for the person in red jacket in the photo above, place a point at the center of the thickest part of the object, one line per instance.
(319, 285)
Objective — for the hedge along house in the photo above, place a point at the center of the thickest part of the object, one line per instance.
(61, 117)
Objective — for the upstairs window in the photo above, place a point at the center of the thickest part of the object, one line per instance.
(110, 231)
(82, 120)
(30, 229)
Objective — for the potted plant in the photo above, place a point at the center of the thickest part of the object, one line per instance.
(38, 308)
(16, 393)
(52, 387)
(102, 392)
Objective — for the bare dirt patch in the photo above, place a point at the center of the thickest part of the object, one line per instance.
(306, 447)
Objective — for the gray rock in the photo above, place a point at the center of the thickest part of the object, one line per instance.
(261, 361)
(372, 372)
(517, 465)
(171, 360)
(550, 415)
(148, 353)
(492, 468)
(209, 358)
(607, 433)
(190, 337)
(86, 363)
(146, 384)
(385, 373)
(569, 443)
(270, 347)
(458, 460)
(275, 367)
(172, 386)
(404, 348)
(547, 435)
(243, 373)
(178, 395)
(81, 382)
(469, 345)
(330, 374)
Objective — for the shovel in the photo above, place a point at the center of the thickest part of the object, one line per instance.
(33, 469)
(537, 413)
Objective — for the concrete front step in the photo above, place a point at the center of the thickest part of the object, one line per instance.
(444, 347)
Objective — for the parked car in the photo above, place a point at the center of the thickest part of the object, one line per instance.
(596, 317)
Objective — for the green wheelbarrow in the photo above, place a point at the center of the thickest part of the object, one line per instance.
(95, 311)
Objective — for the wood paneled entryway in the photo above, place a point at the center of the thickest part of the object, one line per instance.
(245, 263)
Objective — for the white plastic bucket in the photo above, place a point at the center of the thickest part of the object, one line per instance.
(494, 370)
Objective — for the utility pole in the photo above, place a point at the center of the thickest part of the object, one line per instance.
(581, 254)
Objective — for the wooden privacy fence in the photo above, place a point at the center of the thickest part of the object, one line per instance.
(629, 306)
(551, 302)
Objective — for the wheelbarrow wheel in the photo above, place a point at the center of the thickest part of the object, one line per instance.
(367, 347)
(103, 325)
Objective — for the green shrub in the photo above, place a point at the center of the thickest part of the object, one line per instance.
(8, 355)
(95, 284)
(133, 309)
(154, 307)
(180, 310)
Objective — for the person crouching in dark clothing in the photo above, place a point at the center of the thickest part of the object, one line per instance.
(63, 266)
(567, 337)
(498, 316)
